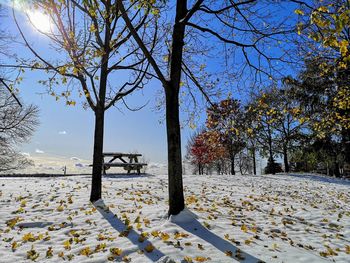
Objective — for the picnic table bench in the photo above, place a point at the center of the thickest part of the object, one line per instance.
(118, 160)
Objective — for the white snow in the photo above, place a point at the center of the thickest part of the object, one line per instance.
(184, 217)
(227, 218)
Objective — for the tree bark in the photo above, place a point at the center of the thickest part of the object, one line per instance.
(96, 183)
(285, 159)
(336, 168)
(270, 150)
(176, 196)
(232, 159)
(254, 160)
(241, 168)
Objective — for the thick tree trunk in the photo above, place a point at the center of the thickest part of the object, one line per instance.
(96, 183)
(176, 197)
(285, 159)
(97, 157)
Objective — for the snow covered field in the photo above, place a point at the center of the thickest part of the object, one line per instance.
(229, 218)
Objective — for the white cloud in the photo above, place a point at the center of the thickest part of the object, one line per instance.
(75, 159)
(62, 132)
(39, 151)
(26, 154)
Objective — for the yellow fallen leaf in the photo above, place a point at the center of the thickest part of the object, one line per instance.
(188, 259)
(155, 233)
(244, 228)
(201, 259)
(100, 247)
(116, 251)
(126, 259)
(67, 244)
(146, 222)
(179, 235)
(247, 241)
(85, 251)
(149, 248)
(347, 249)
(14, 246)
(49, 253)
(28, 237)
(12, 222)
(228, 253)
(254, 229)
(32, 254)
(164, 236)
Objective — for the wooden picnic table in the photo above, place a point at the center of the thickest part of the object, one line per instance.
(129, 161)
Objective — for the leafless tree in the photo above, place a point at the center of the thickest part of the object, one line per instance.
(93, 51)
(253, 36)
(17, 124)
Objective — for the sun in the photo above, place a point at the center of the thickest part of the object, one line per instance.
(40, 21)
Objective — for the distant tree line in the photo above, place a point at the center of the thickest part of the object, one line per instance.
(300, 122)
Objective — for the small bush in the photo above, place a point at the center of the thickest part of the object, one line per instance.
(272, 167)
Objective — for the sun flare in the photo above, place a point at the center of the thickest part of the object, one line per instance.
(40, 21)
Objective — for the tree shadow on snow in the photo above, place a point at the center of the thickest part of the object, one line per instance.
(196, 228)
(133, 236)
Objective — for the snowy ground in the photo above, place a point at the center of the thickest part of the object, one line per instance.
(229, 218)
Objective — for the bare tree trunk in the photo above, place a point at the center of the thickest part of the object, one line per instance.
(271, 154)
(176, 197)
(232, 159)
(285, 159)
(241, 167)
(97, 157)
(336, 166)
(96, 183)
(327, 169)
(254, 160)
